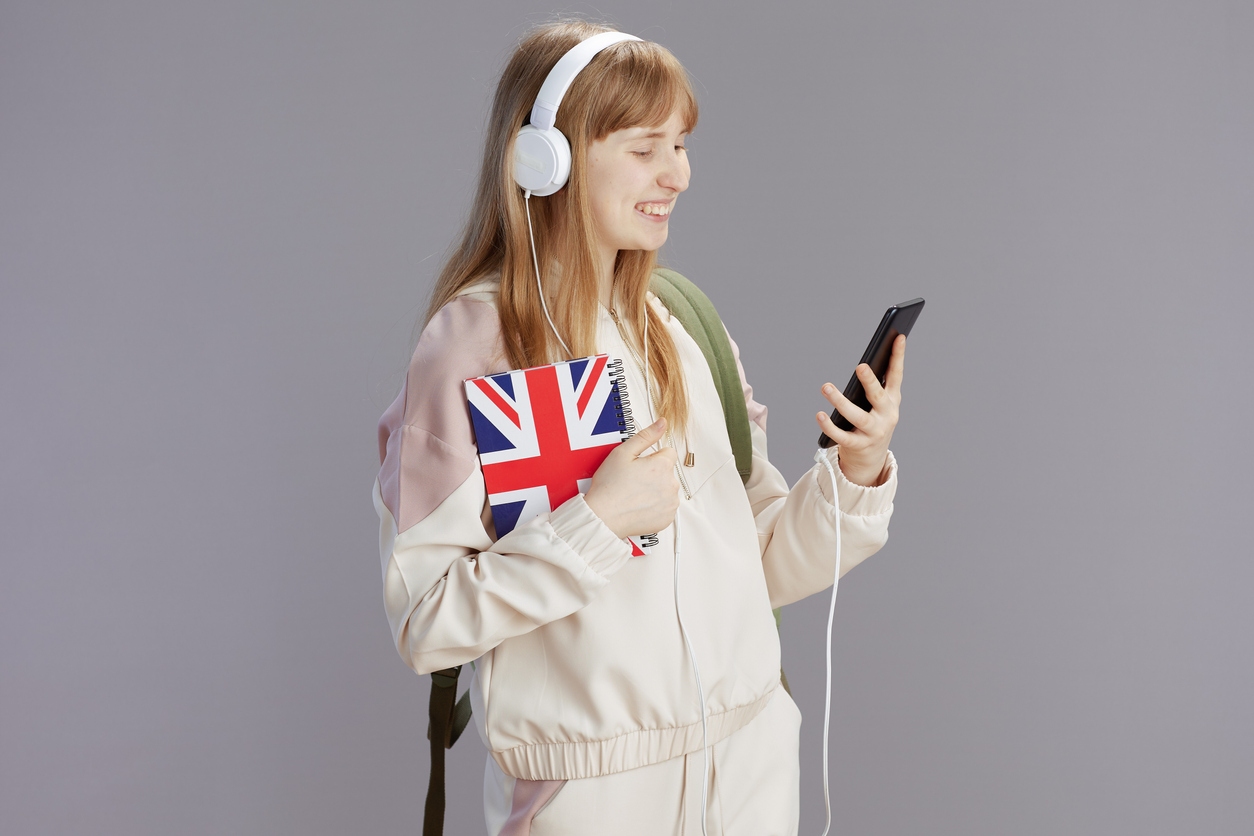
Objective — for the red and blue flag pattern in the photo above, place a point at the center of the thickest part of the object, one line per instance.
(543, 432)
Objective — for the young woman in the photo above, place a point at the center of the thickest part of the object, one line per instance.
(584, 689)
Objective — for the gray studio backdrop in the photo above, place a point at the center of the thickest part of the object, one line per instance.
(219, 223)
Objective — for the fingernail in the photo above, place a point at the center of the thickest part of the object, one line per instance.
(828, 388)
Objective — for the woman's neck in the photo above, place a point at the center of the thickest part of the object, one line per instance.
(607, 256)
(605, 281)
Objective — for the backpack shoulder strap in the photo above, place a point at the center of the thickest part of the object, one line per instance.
(697, 314)
(447, 718)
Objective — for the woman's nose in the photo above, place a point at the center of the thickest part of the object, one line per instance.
(675, 174)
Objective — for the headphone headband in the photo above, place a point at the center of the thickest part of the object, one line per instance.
(541, 153)
(558, 81)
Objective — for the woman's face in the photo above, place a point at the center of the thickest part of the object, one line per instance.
(634, 176)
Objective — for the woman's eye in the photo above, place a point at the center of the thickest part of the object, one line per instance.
(644, 155)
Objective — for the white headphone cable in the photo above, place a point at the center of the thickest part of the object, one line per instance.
(831, 613)
(683, 631)
(540, 287)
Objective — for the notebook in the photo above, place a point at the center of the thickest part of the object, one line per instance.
(543, 432)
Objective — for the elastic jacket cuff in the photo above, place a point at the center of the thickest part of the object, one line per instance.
(859, 500)
(589, 537)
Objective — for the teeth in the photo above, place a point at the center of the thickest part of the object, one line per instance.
(653, 209)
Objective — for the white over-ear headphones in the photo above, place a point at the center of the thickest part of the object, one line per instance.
(541, 152)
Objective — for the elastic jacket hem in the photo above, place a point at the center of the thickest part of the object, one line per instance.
(588, 759)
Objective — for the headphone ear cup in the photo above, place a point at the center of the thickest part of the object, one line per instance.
(541, 160)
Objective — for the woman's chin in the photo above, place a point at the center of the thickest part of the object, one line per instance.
(656, 240)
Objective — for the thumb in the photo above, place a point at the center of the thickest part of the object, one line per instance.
(644, 439)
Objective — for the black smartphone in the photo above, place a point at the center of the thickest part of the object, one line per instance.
(898, 319)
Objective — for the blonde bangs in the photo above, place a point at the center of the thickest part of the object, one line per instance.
(641, 86)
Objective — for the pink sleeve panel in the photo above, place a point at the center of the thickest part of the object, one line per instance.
(426, 440)
(757, 411)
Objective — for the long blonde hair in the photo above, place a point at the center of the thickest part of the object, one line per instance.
(629, 84)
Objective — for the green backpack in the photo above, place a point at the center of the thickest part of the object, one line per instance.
(448, 716)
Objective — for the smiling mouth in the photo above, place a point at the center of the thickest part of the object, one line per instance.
(654, 210)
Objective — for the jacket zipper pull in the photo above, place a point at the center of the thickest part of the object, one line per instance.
(690, 460)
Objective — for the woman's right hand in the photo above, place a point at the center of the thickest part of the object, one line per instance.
(635, 493)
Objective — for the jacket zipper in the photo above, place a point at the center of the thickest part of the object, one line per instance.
(649, 394)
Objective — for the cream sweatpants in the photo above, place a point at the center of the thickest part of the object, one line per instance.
(754, 790)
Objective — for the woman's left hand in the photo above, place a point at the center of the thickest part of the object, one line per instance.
(864, 451)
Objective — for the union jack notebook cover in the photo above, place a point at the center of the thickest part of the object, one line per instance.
(543, 432)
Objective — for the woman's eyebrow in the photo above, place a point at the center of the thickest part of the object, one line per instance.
(651, 135)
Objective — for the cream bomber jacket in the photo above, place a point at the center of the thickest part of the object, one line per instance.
(580, 666)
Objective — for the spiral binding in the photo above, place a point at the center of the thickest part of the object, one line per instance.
(618, 375)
